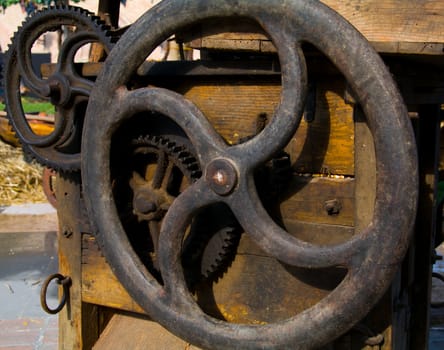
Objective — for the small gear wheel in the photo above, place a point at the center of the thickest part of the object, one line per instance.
(61, 84)
(211, 245)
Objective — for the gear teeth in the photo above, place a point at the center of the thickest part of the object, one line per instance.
(185, 160)
(40, 22)
(188, 160)
(183, 154)
(176, 149)
(193, 167)
(175, 152)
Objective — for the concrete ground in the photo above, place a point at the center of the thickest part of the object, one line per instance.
(28, 254)
(26, 259)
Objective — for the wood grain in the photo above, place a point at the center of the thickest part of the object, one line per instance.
(99, 284)
(392, 26)
(394, 20)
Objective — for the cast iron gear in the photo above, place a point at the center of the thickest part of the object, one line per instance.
(160, 170)
(211, 245)
(65, 88)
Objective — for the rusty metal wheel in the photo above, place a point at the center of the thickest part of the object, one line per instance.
(371, 257)
(65, 88)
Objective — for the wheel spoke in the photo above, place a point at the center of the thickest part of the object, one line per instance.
(161, 170)
(65, 66)
(274, 240)
(206, 141)
(172, 232)
(287, 117)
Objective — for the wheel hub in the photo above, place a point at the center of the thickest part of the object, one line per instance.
(221, 175)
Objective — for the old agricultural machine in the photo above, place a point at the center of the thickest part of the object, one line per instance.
(275, 186)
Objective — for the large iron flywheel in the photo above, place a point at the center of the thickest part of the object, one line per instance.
(371, 257)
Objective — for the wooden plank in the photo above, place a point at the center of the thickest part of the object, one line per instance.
(40, 126)
(234, 106)
(324, 146)
(28, 223)
(394, 20)
(380, 318)
(245, 295)
(392, 26)
(99, 284)
(251, 265)
(101, 287)
(136, 333)
(78, 321)
(72, 331)
(306, 199)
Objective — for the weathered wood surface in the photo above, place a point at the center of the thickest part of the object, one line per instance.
(39, 125)
(396, 21)
(392, 26)
(28, 223)
(293, 289)
(99, 284)
(134, 333)
(73, 333)
(323, 146)
(306, 197)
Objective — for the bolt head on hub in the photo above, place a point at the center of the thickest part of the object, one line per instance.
(221, 175)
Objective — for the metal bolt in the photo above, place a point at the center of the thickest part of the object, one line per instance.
(221, 175)
(220, 178)
(333, 206)
(67, 233)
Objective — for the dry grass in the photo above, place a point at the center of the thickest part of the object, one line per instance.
(20, 182)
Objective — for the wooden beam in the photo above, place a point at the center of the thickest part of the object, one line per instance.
(391, 26)
(395, 21)
(109, 10)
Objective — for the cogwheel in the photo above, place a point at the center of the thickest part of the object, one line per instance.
(176, 151)
(149, 171)
(65, 88)
(158, 169)
(211, 245)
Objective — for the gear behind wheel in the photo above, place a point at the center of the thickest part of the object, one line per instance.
(158, 169)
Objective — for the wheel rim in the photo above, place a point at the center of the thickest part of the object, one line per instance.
(382, 243)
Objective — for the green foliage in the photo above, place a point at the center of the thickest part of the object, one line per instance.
(32, 106)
